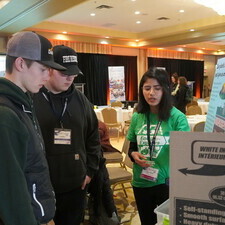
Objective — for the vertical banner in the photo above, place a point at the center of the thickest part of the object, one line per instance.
(116, 83)
(215, 121)
(2, 65)
(197, 178)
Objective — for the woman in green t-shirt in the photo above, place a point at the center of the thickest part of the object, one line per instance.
(149, 134)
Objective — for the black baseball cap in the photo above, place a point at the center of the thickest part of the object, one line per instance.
(66, 57)
(32, 46)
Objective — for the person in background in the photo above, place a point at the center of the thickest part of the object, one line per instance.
(26, 192)
(174, 87)
(70, 130)
(149, 135)
(104, 138)
(181, 102)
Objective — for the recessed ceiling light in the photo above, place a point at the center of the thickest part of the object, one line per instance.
(64, 32)
(104, 42)
(203, 48)
(92, 14)
(192, 30)
(107, 37)
(137, 40)
(137, 12)
(133, 0)
(138, 22)
(181, 11)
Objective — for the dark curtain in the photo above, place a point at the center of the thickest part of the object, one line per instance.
(130, 70)
(193, 70)
(95, 70)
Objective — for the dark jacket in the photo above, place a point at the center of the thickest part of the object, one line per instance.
(100, 191)
(181, 98)
(104, 138)
(69, 163)
(26, 193)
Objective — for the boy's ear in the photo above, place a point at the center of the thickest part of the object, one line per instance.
(20, 64)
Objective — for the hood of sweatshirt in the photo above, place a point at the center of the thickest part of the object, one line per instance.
(15, 94)
(65, 94)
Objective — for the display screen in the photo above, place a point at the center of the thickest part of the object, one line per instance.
(2, 65)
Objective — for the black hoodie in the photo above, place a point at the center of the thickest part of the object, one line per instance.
(26, 194)
(69, 163)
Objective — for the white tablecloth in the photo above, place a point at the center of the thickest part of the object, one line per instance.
(193, 119)
(122, 114)
(204, 106)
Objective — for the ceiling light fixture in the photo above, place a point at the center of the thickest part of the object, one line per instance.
(138, 22)
(181, 11)
(192, 30)
(136, 40)
(64, 32)
(104, 42)
(218, 5)
(92, 14)
(137, 12)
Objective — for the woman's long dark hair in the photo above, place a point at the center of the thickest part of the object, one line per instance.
(165, 104)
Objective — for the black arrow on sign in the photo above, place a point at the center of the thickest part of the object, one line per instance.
(206, 170)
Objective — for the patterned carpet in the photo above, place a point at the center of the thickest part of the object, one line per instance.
(126, 207)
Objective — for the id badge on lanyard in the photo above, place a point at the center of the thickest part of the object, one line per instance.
(62, 136)
(150, 173)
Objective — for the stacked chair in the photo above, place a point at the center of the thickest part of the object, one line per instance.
(119, 176)
(194, 110)
(199, 127)
(110, 119)
(116, 104)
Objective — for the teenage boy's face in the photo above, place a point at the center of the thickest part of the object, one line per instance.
(34, 77)
(60, 82)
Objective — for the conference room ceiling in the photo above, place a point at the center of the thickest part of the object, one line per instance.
(115, 22)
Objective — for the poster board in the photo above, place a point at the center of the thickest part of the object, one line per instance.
(197, 182)
(116, 83)
(215, 121)
(2, 65)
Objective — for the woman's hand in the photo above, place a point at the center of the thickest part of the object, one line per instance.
(140, 159)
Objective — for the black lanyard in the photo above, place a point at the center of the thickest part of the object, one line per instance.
(53, 109)
(152, 144)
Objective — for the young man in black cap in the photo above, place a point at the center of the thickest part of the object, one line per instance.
(70, 130)
(26, 192)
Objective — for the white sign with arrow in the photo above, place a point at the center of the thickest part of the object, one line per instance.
(197, 181)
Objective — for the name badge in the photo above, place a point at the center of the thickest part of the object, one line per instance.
(150, 174)
(62, 136)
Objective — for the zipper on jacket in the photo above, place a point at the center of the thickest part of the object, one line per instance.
(35, 199)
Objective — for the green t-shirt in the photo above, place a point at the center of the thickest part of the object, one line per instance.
(138, 133)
